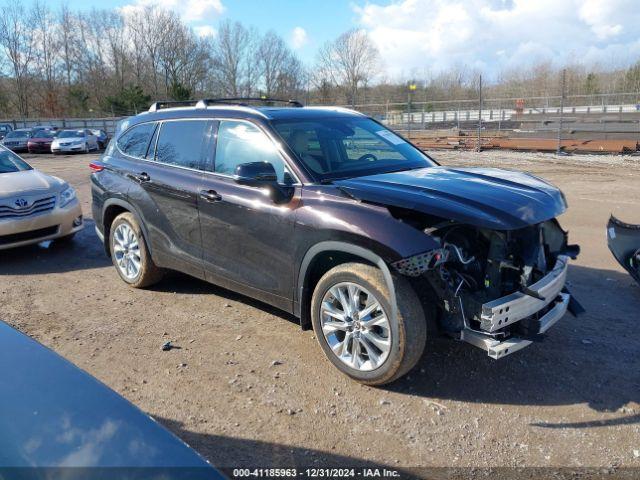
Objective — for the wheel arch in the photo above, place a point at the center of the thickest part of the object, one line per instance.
(323, 256)
(111, 209)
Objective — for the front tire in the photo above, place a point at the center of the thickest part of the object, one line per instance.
(353, 322)
(130, 254)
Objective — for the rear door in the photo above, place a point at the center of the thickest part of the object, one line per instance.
(169, 184)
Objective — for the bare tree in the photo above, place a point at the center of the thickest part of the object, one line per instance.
(184, 59)
(150, 25)
(47, 47)
(349, 61)
(231, 59)
(17, 41)
(281, 71)
(112, 27)
(67, 25)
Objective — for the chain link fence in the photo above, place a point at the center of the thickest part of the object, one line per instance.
(607, 122)
(599, 122)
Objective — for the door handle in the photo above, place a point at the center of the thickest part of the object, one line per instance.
(140, 178)
(210, 196)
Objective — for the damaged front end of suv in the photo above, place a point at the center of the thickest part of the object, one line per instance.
(498, 275)
(498, 290)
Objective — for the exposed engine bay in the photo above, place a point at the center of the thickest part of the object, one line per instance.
(492, 286)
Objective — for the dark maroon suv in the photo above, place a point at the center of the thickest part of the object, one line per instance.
(329, 215)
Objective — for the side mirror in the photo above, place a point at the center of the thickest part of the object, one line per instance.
(256, 174)
(262, 175)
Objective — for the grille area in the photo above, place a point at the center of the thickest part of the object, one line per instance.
(31, 235)
(39, 206)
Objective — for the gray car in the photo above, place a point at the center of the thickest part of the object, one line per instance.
(16, 140)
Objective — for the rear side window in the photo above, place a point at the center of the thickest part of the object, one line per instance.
(134, 142)
(182, 143)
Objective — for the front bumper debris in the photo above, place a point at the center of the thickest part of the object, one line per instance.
(623, 240)
(498, 349)
(512, 308)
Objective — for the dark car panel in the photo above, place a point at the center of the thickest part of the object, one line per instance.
(54, 415)
(485, 197)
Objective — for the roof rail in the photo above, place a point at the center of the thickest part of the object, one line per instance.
(243, 101)
(171, 103)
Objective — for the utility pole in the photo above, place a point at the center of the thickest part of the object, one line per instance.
(479, 146)
(562, 94)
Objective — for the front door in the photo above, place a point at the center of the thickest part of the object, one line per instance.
(247, 238)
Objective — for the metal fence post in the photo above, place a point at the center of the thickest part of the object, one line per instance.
(478, 146)
(412, 87)
(562, 94)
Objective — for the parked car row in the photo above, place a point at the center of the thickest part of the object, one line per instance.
(50, 139)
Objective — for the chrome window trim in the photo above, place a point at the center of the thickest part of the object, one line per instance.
(280, 150)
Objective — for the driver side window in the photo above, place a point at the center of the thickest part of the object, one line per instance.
(241, 142)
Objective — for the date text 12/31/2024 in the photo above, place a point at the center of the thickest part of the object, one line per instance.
(316, 472)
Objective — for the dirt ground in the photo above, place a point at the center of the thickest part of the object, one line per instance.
(248, 387)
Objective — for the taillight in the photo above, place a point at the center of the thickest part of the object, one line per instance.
(96, 167)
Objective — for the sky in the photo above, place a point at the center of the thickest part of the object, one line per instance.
(419, 38)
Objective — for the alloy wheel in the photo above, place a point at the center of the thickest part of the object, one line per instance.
(126, 249)
(355, 326)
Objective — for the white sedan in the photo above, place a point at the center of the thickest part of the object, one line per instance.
(33, 206)
(74, 141)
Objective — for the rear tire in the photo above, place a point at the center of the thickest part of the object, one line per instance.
(130, 254)
(401, 339)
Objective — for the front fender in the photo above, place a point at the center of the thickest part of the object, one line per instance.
(330, 222)
(326, 214)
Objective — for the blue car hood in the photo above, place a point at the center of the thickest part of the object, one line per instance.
(57, 421)
(483, 197)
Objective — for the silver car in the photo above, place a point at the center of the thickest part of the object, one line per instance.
(74, 141)
(33, 206)
(17, 140)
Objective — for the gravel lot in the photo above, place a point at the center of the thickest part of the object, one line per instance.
(247, 387)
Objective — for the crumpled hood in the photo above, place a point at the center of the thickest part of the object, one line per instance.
(27, 183)
(484, 197)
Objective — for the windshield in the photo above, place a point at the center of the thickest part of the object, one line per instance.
(10, 162)
(335, 148)
(43, 134)
(71, 134)
(19, 134)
